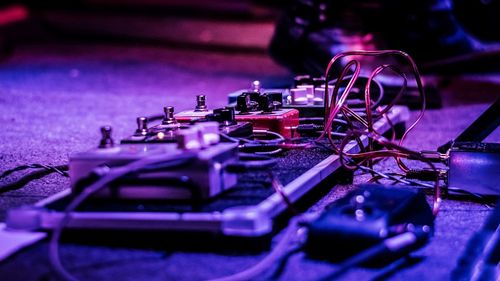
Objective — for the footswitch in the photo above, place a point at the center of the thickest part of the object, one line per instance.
(200, 111)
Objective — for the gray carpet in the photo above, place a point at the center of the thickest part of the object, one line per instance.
(53, 98)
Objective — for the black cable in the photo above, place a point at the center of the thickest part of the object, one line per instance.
(250, 162)
(155, 117)
(228, 138)
(401, 244)
(106, 178)
(394, 267)
(290, 240)
(283, 262)
(38, 174)
(177, 163)
(262, 147)
(58, 169)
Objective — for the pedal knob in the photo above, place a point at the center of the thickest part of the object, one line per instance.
(319, 96)
(243, 103)
(106, 139)
(142, 126)
(309, 91)
(209, 133)
(201, 103)
(299, 96)
(189, 138)
(169, 116)
(226, 116)
(265, 103)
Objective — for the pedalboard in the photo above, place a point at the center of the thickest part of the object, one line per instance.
(243, 205)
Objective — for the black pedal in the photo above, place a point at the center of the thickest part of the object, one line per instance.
(364, 218)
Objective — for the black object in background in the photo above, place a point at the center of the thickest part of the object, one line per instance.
(479, 17)
(480, 129)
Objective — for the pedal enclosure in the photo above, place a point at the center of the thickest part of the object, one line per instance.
(363, 218)
(280, 121)
(206, 171)
(235, 129)
(475, 167)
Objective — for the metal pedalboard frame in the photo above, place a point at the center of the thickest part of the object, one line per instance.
(241, 221)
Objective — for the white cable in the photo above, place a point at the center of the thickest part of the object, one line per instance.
(113, 174)
(281, 249)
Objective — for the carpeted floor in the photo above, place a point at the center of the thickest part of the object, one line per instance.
(54, 98)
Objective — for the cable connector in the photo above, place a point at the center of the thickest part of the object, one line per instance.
(309, 128)
(425, 175)
(433, 156)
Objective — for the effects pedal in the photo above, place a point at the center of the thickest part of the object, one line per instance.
(366, 217)
(265, 112)
(307, 94)
(224, 116)
(205, 172)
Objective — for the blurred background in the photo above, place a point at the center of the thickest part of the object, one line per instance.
(301, 34)
(69, 67)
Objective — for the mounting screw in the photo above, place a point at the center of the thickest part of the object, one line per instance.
(201, 103)
(106, 140)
